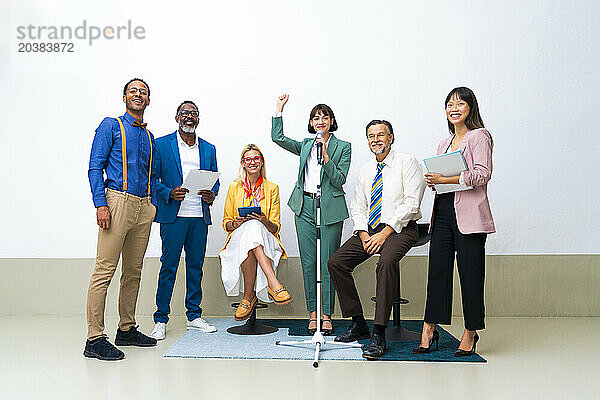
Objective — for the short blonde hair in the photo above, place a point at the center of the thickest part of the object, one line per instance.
(242, 171)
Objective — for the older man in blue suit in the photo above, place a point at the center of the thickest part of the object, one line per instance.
(184, 217)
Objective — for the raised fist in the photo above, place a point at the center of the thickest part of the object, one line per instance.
(281, 100)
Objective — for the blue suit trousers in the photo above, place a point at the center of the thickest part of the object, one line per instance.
(188, 233)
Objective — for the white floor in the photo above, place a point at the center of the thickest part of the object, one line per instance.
(41, 358)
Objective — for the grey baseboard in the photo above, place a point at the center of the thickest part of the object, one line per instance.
(516, 286)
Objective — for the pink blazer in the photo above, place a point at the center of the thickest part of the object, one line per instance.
(473, 214)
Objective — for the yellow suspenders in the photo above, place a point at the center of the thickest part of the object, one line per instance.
(124, 156)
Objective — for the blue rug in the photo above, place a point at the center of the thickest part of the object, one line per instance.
(196, 344)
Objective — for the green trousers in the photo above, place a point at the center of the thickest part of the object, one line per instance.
(331, 236)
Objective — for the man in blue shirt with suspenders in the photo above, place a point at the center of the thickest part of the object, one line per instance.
(123, 149)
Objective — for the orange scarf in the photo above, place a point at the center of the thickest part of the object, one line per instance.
(253, 196)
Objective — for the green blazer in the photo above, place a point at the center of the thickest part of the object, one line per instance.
(333, 174)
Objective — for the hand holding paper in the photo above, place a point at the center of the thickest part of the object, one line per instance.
(200, 180)
(178, 193)
(207, 195)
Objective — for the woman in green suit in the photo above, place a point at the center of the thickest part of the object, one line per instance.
(331, 175)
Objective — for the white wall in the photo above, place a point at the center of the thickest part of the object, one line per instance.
(533, 66)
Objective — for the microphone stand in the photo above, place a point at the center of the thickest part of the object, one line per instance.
(318, 340)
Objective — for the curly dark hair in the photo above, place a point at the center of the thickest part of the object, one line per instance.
(133, 80)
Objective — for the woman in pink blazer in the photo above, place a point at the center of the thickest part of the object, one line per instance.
(460, 223)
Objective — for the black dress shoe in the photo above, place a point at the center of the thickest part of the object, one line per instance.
(375, 348)
(354, 332)
(464, 353)
(103, 350)
(133, 337)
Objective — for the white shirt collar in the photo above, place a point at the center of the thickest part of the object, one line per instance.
(180, 141)
(388, 159)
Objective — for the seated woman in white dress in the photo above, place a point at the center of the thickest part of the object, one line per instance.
(253, 239)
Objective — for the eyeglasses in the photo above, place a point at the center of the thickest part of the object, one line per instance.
(186, 113)
(143, 92)
(249, 160)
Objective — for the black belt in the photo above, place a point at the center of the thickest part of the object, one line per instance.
(311, 195)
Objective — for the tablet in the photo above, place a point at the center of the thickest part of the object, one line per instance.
(245, 211)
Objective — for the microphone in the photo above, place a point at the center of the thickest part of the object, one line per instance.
(319, 148)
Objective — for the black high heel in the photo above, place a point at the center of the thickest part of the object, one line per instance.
(434, 338)
(464, 353)
(326, 332)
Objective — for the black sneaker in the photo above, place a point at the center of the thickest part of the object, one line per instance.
(102, 349)
(133, 337)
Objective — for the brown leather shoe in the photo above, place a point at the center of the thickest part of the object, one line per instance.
(279, 295)
(245, 309)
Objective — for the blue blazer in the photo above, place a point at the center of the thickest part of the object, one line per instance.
(167, 170)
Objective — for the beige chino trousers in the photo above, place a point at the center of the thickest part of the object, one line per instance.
(131, 219)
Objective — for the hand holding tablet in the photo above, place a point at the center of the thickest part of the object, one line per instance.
(246, 211)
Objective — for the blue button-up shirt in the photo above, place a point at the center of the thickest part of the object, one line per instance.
(106, 156)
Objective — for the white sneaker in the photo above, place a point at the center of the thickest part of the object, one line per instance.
(201, 325)
(160, 331)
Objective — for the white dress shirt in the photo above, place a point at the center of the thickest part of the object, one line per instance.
(191, 206)
(312, 170)
(403, 187)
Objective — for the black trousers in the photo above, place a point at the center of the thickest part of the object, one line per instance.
(352, 253)
(446, 240)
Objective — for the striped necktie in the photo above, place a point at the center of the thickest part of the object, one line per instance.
(376, 190)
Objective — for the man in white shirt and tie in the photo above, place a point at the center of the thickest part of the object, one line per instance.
(385, 208)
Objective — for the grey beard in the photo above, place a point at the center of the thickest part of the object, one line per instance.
(188, 130)
(383, 150)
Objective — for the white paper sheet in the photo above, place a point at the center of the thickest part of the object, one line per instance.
(199, 179)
